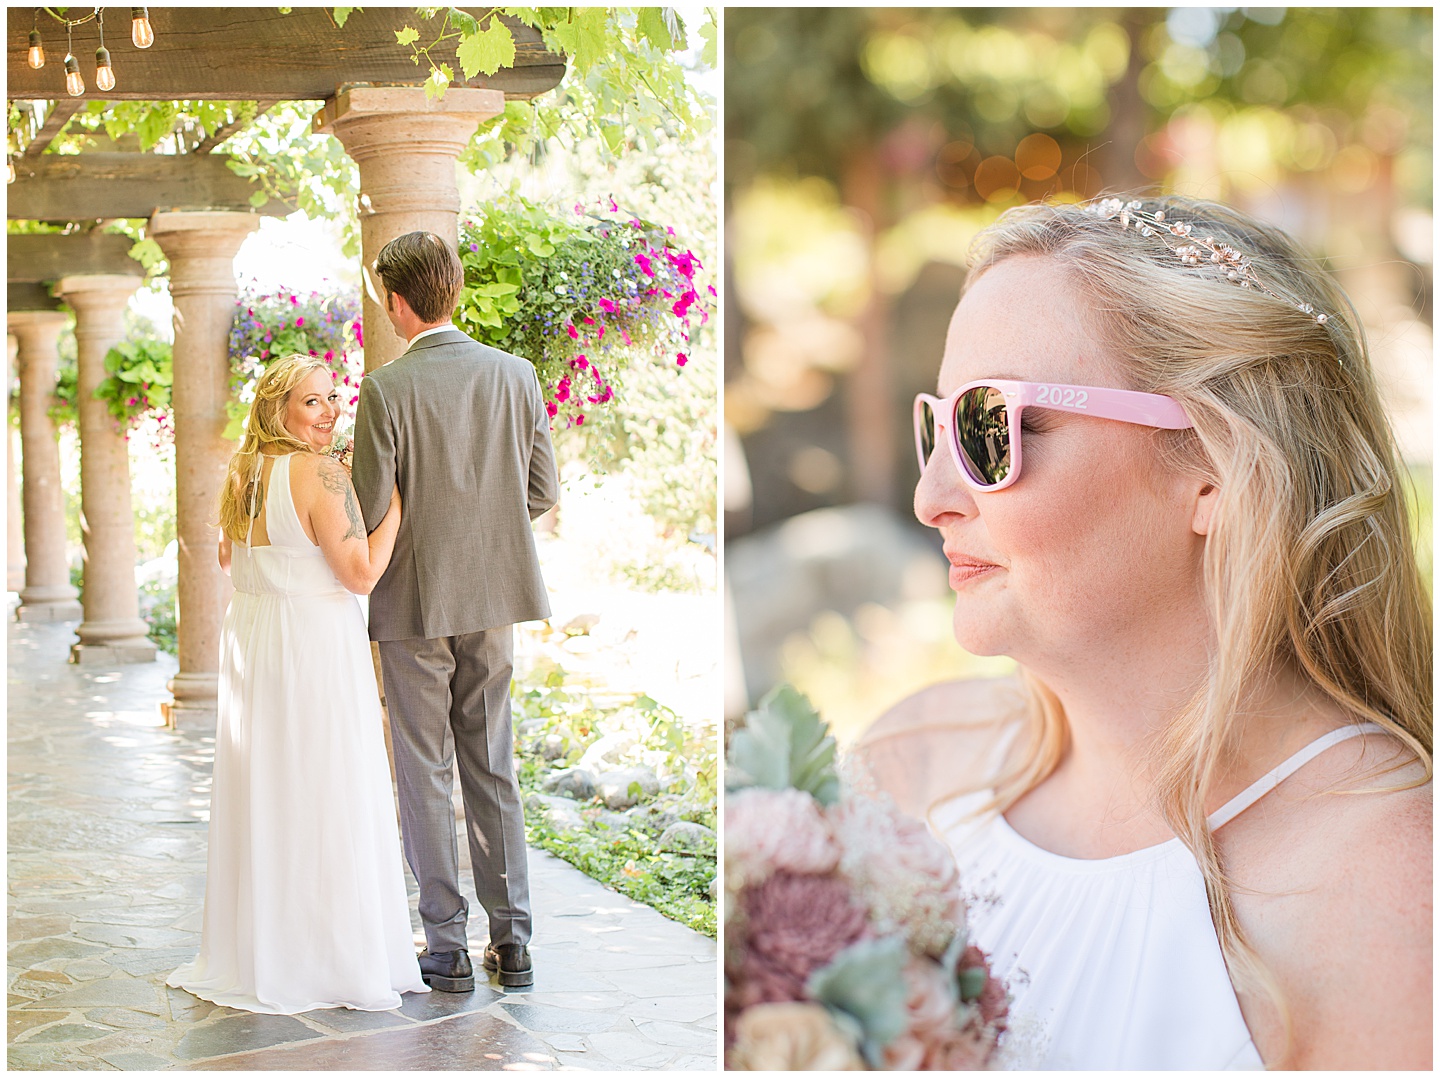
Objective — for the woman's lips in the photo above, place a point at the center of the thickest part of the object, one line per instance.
(964, 569)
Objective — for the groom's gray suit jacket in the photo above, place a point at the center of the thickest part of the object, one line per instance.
(462, 429)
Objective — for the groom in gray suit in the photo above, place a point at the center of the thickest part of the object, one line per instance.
(462, 430)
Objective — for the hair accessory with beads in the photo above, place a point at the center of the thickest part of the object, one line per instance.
(1195, 252)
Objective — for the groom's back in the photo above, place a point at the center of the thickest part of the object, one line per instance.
(467, 430)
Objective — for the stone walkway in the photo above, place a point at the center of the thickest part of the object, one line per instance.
(107, 827)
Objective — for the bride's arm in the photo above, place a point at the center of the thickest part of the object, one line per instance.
(357, 560)
(224, 552)
(938, 742)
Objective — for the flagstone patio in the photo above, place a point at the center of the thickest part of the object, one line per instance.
(108, 815)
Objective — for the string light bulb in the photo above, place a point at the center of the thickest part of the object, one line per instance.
(74, 83)
(9, 169)
(104, 73)
(142, 34)
(37, 51)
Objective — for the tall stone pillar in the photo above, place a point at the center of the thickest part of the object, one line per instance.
(201, 247)
(48, 594)
(14, 534)
(112, 631)
(405, 146)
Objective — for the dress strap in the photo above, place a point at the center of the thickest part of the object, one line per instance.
(1267, 782)
(258, 480)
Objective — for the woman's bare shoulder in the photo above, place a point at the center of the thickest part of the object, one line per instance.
(1344, 910)
(940, 740)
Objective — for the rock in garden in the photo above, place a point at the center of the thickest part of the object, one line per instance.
(572, 782)
(616, 822)
(557, 813)
(608, 750)
(614, 786)
(580, 624)
(655, 816)
(553, 747)
(686, 837)
(528, 727)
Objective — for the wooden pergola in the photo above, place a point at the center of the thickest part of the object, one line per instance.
(199, 211)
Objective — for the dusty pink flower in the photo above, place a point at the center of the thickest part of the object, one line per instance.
(994, 1001)
(794, 925)
(776, 831)
(905, 875)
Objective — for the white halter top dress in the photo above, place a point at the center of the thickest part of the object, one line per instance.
(1113, 963)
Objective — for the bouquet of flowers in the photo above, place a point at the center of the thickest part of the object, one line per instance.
(845, 931)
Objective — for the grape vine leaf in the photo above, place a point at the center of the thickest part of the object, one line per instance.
(406, 36)
(341, 14)
(652, 24)
(487, 50)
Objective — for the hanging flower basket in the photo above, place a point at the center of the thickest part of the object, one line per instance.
(580, 295)
(269, 325)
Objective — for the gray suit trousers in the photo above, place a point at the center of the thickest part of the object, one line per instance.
(450, 698)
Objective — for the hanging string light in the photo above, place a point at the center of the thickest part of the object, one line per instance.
(37, 50)
(74, 84)
(104, 73)
(142, 35)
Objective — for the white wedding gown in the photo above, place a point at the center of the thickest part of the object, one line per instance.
(305, 902)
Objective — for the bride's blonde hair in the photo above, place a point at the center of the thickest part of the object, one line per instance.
(264, 429)
(1309, 562)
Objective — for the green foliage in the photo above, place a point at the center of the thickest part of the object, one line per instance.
(624, 77)
(548, 702)
(784, 744)
(670, 429)
(157, 608)
(139, 379)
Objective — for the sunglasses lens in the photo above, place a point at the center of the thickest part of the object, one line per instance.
(925, 432)
(982, 431)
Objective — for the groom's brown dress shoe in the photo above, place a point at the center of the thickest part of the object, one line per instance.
(512, 962)
(449, 971)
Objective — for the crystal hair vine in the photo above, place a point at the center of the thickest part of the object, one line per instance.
(1197, 251)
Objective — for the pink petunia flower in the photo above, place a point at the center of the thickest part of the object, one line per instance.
(299, 322)
(574, 333)
(643, 261)
(608, 306)
(551, 408)
(681, 359)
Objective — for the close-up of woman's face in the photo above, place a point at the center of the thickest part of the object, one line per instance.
(1094, 541)
(311, 410)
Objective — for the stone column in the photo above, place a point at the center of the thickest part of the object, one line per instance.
(405, 146)
(112, 631)
(15, 536)
(201, 247)
(48, 594)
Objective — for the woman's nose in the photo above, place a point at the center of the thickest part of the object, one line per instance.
(941, 491)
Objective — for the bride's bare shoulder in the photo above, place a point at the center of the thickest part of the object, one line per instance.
(940, 740)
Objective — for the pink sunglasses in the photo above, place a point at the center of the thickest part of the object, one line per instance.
(981, 416)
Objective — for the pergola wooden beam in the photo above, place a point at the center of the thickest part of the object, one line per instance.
(48, 257)
(29, 296)
(58, 117)
(241, 53)
(80, 187)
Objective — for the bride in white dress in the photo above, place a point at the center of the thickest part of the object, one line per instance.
(305, 903)
(1198, 828)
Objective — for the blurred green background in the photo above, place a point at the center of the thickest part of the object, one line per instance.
(865, 148)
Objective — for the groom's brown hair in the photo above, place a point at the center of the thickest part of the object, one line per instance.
(425, 270)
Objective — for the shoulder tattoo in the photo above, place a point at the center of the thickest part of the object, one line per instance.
(336, 480)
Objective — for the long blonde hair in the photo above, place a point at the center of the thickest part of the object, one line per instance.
(1309, 561)
(264, 430)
